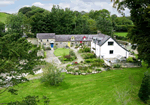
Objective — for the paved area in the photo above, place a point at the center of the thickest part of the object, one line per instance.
(79, 58)
(50, 57)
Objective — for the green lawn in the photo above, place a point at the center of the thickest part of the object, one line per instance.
(3, 17)
(61, 51)
(96, 89)
(121, 33)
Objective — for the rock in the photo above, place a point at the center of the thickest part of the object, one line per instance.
(83, 73)
(76, 73)
(94, 72)
(76, 69)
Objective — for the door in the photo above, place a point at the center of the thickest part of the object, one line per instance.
(52, 44)
(69, 44)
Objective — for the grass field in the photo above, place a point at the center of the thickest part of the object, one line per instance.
(106, 88)
(3, 17)
(121, 33)
(61, 51)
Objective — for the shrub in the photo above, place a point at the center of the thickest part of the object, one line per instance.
(44, 54)
(87, 49)
(68, 65)
(60, 58)
(76, 47)
(81, 62)
(88, 60)
(129, 59)
(47, 48)
(98, 70)
(52, 75)
(55, 47)
(117, 66)
(144, 91)
(89, 71)
(80, 50)
(75, 63)
(71, 53)
(67, 56)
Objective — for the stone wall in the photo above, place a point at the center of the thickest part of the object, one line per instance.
(129, 64)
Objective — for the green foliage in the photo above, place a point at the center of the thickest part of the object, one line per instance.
(52, 75)
(44, 54)
(121, 37)
(98, 70)
(140, 31)
(129, 59)
(30, 100)
(68, 65)
(2, 28)
(105, 25)
(117, 66)
(144, 92)
(71, 52)
(88, 55)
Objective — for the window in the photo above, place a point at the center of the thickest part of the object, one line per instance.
(110, 43)
(111, 52)
(47, 40)
(41, 40)
(44, 43)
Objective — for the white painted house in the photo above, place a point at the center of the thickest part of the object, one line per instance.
(105, 46)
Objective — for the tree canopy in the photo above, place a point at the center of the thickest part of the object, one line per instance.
(139, 34)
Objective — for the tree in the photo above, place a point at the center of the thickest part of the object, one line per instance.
(2, 28)
(144, 92)
(17, 23)
(140, 14)
(24, 10)
(105, 26)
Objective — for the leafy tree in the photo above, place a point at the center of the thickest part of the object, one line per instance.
(144, 92)
(17, 23)
(139, 10)
(2, 28)
(24, 10)
(105, 26)
(52, 75)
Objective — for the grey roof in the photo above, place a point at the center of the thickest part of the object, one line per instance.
(78, 37)
(45, 35)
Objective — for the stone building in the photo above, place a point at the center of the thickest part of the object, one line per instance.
(51, 40)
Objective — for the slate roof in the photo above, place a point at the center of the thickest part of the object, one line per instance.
(78, 37)
(45, 36)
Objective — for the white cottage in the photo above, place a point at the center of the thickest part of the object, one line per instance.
(105, 46)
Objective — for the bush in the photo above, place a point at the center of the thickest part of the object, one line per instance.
(129, 59)
(88, 60)
(76, 47)
(71, 53)
(89, 55)
(52, 75)
(117, 66)
(89, 71)
(47, 48)
(81, 62)
(67, 56)
(68, 65)
(98, 70)
(55, 47)
(144, 91)
(30, 35)
(86, 49)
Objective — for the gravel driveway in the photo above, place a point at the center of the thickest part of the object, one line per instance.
(50, 57)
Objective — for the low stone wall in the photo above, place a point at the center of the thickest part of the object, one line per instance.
(129, 64)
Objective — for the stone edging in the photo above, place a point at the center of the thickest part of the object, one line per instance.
(76, 73)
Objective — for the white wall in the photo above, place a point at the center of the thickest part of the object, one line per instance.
(117, 50)
(92, 46)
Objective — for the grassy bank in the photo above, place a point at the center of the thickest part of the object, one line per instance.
(3, 17)
(96, 89)
(121, 33)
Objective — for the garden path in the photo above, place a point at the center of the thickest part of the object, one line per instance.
(79, 58)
